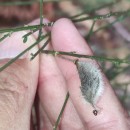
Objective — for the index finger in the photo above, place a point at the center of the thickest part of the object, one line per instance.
(65, 37)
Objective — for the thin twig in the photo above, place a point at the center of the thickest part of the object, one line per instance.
(98, 58)
(100, 17)
(26, 27)
(61, 112)
(41, 19)
(91, 31)
(87, 10)
(39, 37)
(25, 37)
(5, 36)
(23, 52)
(119, 19)
(45, 44)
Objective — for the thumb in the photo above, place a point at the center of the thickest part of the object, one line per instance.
(18, 83)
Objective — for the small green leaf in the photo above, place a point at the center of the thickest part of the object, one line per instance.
(2, 38)
(25, 39)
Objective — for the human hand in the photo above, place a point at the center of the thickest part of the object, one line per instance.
(55, 77)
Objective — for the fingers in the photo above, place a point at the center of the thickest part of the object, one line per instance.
(65, 37)
(52, 92)
(18, 83)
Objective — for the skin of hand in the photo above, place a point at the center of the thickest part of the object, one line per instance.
(52, 77)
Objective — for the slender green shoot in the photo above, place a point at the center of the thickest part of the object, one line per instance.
(5, 36)
(91, 30)
(119, 19)
(41, 19)
(45, 44)
(98, 58)
(90, 10)
(61, 112)
(22, 53)
(101, 17)
(26, 27)
(25, 37)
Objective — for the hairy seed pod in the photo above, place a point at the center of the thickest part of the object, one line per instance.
(91, 82)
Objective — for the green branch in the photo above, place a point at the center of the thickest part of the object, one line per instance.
(40, 50)
(25, 37)
(18, 56)
(41, 19)
(61, 112)
(98, 58)
(90, 10)
(26, 27)
(100, 17)
(5, 36)
(91, 30)
(119, 19)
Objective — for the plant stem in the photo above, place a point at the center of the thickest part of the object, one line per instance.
(91, 31)
(23, 52)
(100, 17)
(86, 10)
(5, 36)
(27, 27)
(28, 34)
(61, 112)
(41, 19)
(119, 19)
(45, 44)
(98, 58)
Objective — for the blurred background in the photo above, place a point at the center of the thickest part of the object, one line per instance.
(108, 37)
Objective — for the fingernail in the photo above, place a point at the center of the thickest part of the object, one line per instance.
(13, 46)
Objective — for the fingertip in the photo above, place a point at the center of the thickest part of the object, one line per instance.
(65, 37)
(63, 22)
